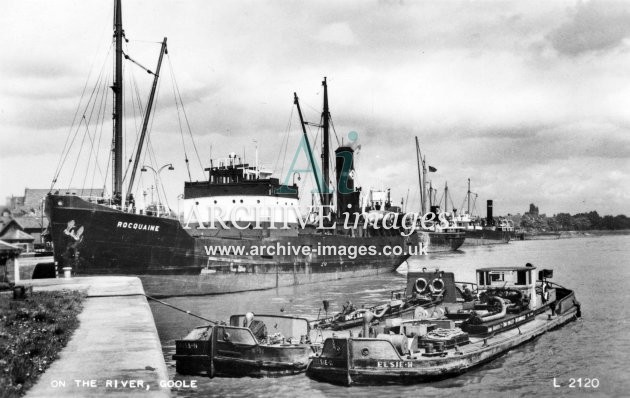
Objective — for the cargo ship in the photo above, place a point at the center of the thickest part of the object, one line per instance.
(200, 254)
(486, 231)
(438, 236)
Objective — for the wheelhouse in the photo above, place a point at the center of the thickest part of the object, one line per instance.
(516, 278)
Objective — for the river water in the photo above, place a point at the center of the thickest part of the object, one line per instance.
(597, 346)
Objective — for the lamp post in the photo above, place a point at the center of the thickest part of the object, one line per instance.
(179, 199)
(158, 180)
(299, 177)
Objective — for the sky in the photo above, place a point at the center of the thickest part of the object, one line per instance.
(528, 99)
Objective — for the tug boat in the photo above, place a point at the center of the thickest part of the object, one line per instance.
(511, 309)
(233, 350)
(424, 290)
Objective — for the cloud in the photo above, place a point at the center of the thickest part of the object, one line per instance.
(337, 33)
(480, 83)
(594, 26)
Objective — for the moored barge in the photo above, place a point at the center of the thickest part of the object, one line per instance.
(424, 291)
(279, 347)
(502, 320)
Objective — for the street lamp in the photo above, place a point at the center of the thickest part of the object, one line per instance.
(158, 180)
(169, 165)
(299, 177)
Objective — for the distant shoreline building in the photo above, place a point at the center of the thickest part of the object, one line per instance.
(22, 221)
(33, 199)
(533, 211)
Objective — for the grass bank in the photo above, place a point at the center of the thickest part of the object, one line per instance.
(32, 333)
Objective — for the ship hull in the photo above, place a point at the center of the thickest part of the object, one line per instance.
(444, 241)
(171, 262)
(480, 237)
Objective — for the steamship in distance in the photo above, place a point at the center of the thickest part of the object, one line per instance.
(436, 236)
(483, 231)
(100, 236)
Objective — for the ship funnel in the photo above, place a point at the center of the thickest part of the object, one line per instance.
(489, 217)
(347, 196)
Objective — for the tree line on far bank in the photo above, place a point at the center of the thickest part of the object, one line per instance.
(577, 222)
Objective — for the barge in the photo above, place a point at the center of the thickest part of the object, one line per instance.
(424, 291)
(479, 332)
(279, 347)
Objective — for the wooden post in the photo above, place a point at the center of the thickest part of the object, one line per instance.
(16, 270)
(349, 355)
(213, 352)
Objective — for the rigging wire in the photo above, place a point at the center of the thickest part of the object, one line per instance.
(179, 121)
(334, 130)
(441, 197)
(142, 112)
(152, 152)
(185, 115)
(100, 136)
(100, 110)
(87, 123)
(138, 64)
(78, 157)
(66, 150)
(448, 197)
(135, 100)
(285, 143)
(74, 118)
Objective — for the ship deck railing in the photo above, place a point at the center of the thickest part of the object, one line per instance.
(160, 211)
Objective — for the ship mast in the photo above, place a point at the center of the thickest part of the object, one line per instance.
(446, 197)
(325, 151)
(147, 116)
(468, 197)
(424, 180)
(117, 88)
(296, 101)
(418, 157)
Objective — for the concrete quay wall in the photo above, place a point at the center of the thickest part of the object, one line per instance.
(115, 350)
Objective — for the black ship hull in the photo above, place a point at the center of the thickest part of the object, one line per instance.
(439, 242)
(93, 239)
(480, 237)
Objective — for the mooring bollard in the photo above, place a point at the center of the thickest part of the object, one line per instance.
(19, 293)
(67, 272)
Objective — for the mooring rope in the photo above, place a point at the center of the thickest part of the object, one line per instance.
(181, 310)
